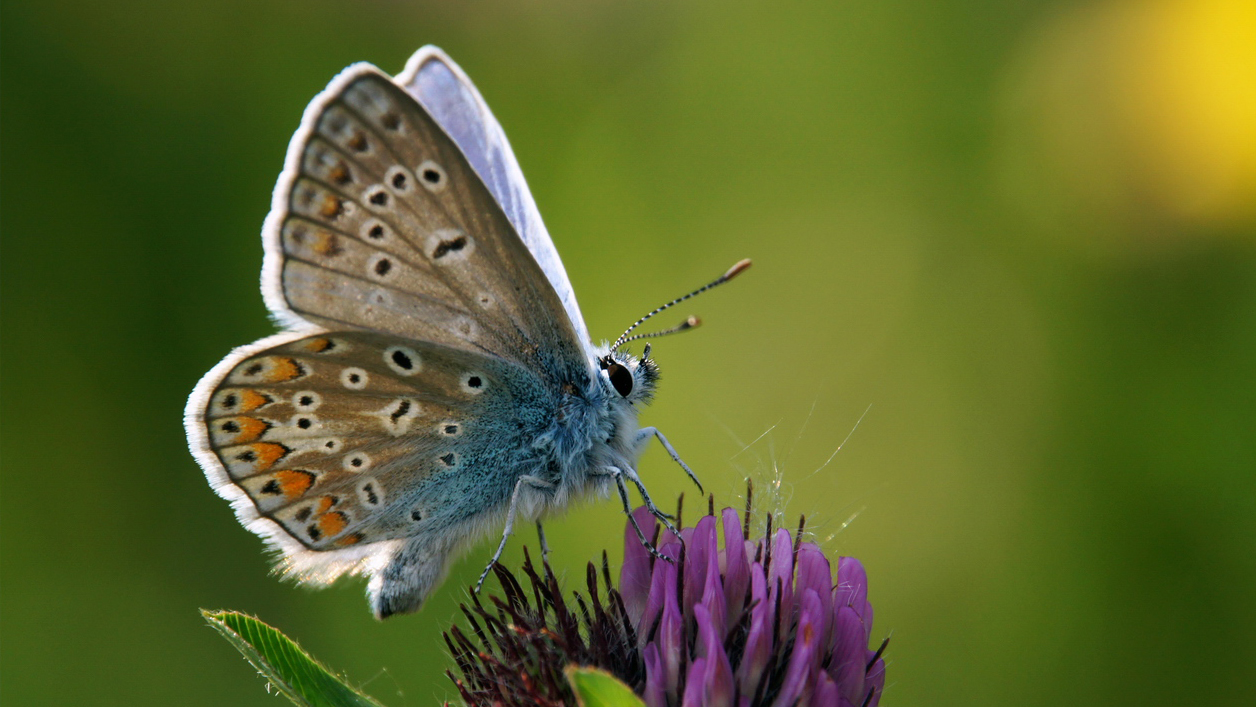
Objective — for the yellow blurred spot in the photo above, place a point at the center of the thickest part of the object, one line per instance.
(1189, 75)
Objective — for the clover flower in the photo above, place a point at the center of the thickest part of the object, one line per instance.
(759, 622)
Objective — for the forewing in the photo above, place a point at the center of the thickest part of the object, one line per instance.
(380, 223)
(351, 442)
(453, 101)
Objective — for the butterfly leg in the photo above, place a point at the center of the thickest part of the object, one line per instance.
(531, 481)
(618, 474)
(646, 432)
(540, 534)
(655, 511)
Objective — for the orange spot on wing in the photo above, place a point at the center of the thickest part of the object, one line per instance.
(250, 429)
(348, 540)
(332, 207)
(340, 174)
(283, 369)
(267, 454)
(318, 345)
(294, 484)
(251, 400)
(332, 523)
(327, 244)
(325, 503)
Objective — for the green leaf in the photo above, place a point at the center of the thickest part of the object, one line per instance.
(598, 688)
(289, 669)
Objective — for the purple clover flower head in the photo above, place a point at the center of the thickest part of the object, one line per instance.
(723, 621)
(755, 622)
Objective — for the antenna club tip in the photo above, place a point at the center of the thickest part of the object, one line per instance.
(737, 269)
(692, 322)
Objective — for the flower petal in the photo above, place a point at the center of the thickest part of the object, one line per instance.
(634, 576)
(718, 676)
(850, 655)
(852, 584)
(660, 586)
(698, 549)
(781, 579)
(800, 675)
(759, 638)
(736, 567)
(813, 574)
(671, 633)
(713, 596)
(826, 693)
(695, 686)
(874, 680)
(655, 677)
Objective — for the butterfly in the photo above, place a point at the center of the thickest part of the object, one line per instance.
(436, 379)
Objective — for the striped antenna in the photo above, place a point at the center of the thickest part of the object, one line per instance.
(690, 323)
(734, 271)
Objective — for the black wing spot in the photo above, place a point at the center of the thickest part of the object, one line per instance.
(303, 514)
(475, 382)
(272, 488)
(452, 245)
(229, 401)
(246, 456)
(356, 462)
(416, 516)
(379, 198)
(431, 176)
(314, 532)
(451, 429)
(371, 497)
(403, 407)
(390, 121)
(399, 181)
(254, 369)
(448, 459)
(402, 360)
(382, 266)
(230, 426)
(304, 423)
(306, 400)
(376, 232)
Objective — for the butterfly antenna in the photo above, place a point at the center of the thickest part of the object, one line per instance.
(732, 272)
(690, 323)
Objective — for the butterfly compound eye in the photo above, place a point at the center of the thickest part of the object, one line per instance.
(621, 378)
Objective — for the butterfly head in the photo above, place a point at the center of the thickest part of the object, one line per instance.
(634, 379)
(631, 378)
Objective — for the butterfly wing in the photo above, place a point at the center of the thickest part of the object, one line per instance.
(362, 441)
(351, 452)
(447, 93)
(379, 222)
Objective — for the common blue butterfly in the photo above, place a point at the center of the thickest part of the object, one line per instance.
(435, 379)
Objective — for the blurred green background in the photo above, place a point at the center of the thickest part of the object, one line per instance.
(1020, 235)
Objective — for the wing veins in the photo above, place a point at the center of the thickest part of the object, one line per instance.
(471, 221)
